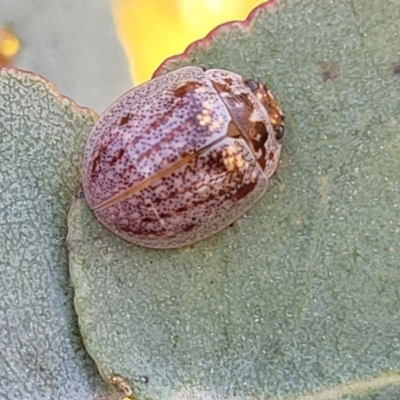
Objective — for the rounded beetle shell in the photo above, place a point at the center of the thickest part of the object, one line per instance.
(181, 157)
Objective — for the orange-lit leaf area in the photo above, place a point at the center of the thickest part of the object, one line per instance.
(9, 46)
(152, 31)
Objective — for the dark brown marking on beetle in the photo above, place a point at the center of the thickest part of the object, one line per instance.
(273, 108)
(168, 138)
(216, 162)
(183, 90)
(188, 227)
(260, 135)
(234, 99)
(125, 119)
(97, 159)
(163, 216)
(149, 130)
(256, 137)
(396, 69)
(240, 108)
(244, 98)
(185, 125)
(221, 88)
(139, 231)
(95, 163)
(245, 189)
(228, 81)
(271, 155)
(146, 220)
(117, 156)
(181, 210)
(203, 201)
(162, 120)
(330, 70)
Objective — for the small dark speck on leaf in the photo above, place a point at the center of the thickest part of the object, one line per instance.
(329, 70)
(396, 69)
(144, 379)
(71, 245)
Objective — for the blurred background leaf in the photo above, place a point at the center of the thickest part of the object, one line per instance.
(73, 43)
(152, 31)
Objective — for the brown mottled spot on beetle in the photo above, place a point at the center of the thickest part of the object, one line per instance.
(228, 81)
(221, 88)
(216, 162)
(330, 70)
(96, 161)
(188, 227)
(117, 156)
(273, 108)
(239, 106)
(187, 87)
(257, 136)
(125, 119)
(396, 69)
(138, 230)
(162, 120)
(244, 190)
(95, 164)
(244, 97)
(260, 135)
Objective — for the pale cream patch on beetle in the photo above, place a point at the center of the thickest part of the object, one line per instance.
(233, 159)
(204, 117)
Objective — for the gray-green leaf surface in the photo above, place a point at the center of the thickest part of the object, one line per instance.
(41, 141)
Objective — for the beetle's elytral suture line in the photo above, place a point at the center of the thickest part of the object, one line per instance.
(147, 182)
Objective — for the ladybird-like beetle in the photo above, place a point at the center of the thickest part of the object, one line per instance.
(182, 156)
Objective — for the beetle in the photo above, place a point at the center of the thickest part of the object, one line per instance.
(182, 156)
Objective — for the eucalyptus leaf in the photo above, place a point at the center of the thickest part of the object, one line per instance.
(41, 141)
(300, 298)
